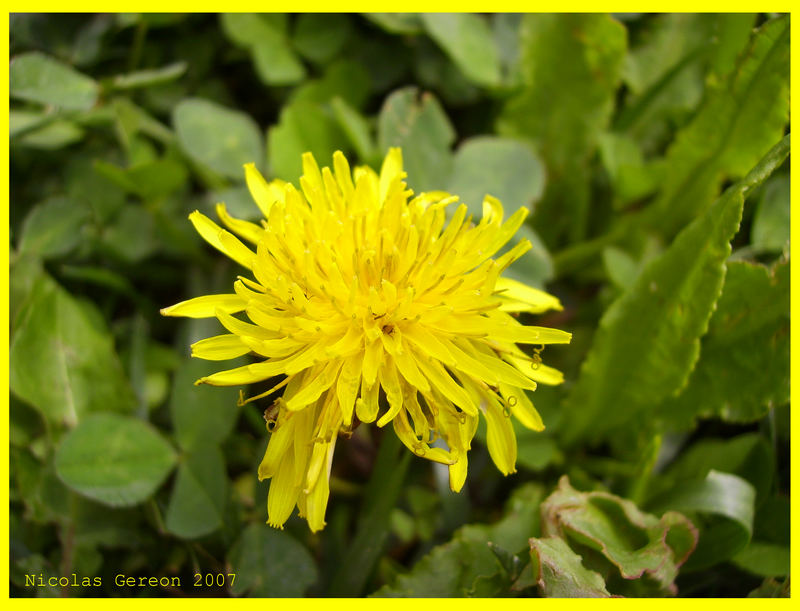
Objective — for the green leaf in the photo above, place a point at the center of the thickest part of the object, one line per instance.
(201, 490)
(202, 416)
(743, 369)
(764, 559)
(416, 122)
(620, 267)
(559, 573)
(631, 178)
(22, 121)
(466, 565)
(53, 228)
(38, 78)
(115, 460)
(304, 126)
(217, 137)
(149, 180)
(727, 501)
(397, 23)
(275, 61)
(770, 231)
(736, 125)
(771, 588)
(535, 451)
(320, 37)
(62, 363)
(356, 128)
(51, 136)
(343, 78)
(506, 169)
(149, 78)
(570, 66)
(46, 499)
(638, 544)
(666, 68)
(468, 40)
(648, 340)
(748, 456)
(133, 219)
(269, 562)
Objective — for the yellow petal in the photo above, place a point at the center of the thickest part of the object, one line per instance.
(446, 385)
(524, 298)
(521, 407)
(249, 231)
(283, 492)
(247, 374)
(394, 392)
(219, 348)
(206, 306)
(367, 404)
(404, 433)
(538, 372)
(391, 170)
(458, 472)
(259, 189)
(373, 354)
(500, 438)
(347, 387)
(314, 387)
(222, 240)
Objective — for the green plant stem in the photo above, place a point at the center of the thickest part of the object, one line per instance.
(380, 497)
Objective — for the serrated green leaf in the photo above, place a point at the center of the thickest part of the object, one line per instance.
(638, 544)
(115, 460)
(736, 125)
(468, 40)
(416, 122)
(559, 573)
(570, 66)
(744, 359)
(270, 562)
(202, 416)
(771, 222)
(39, 78)
(217, 137)
(198, 499)
(304, 126)
(648, 340)
(667, 66)
(53, 228)
(61, 362)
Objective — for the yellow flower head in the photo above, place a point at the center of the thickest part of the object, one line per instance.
(355, 291)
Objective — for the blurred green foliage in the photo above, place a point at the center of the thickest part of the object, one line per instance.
(652, 150)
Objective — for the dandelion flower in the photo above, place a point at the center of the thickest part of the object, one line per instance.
(365, 305)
